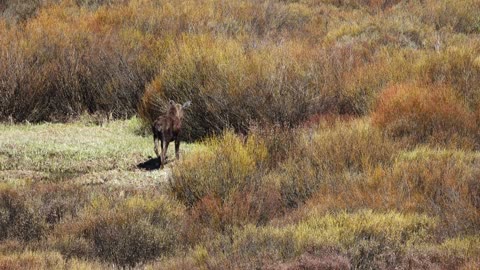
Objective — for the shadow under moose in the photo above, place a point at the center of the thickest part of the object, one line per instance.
(166, 128)
(150, 165)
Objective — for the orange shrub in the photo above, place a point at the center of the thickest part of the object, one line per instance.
(242, 208)
(456, 67)
(440, 183)
(459, 15)
(425, 115)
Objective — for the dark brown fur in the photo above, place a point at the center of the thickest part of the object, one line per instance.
(167, 128)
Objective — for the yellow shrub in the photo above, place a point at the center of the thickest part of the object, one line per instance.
(439, 182)
(455, 67)
(460, 15)
(468, 247)
(348, 232)
(333, 158)
(227, 166)
(346, 229)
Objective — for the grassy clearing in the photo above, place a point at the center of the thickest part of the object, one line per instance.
(72, 148)
(79, 151)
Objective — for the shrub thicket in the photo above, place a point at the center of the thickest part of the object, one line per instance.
(227, 165)
(224, 184)
(441, 183)
(333, 157)
(460, 16)
(135, 230)
(363, 240)
(17, 219)
(232, 86)
(334, 192)
(64, 58)
(300, 58)
(457, 68)
(435, 115)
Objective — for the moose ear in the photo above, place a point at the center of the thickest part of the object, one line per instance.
(171, 102)
(186, 104)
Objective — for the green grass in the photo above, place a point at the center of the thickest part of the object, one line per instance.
(77, 151)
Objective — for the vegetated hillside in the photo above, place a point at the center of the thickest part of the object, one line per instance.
(338, 194)
(362, 119)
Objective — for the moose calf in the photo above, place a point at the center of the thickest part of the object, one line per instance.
(167, 128)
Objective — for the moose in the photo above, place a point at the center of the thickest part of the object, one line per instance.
(166, 128)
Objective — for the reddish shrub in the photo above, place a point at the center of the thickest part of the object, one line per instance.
(241, 208)
(425, 115)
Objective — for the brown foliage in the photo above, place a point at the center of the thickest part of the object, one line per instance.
(17, 220)
(425, 115)
(323, 261)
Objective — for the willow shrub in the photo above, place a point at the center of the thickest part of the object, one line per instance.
(455, 67)
(55, 69)
(17, 218)
(224, 186)
(333, 157)
(226, 165)
(423, 114)
(363, 239)
(460, 16)
(231, 84)
(442, 183)
(134, 230)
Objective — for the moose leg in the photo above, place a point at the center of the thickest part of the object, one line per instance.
(155, 142)
(161, 153)
(177, 149)
(164, 151)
